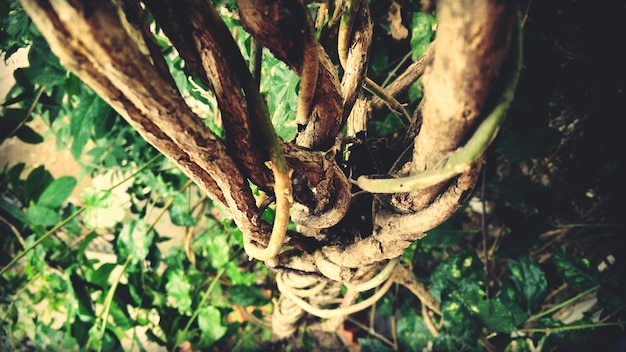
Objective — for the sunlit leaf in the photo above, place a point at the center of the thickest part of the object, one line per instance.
(103, 208)
(43, 216)
(57, 192)
(421, 33)
(210, 323)
(178, 290)
(135, 239)
(179, 211)
(218, 249)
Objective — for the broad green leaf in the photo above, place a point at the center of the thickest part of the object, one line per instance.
(218, 249)
(372, 345)
(280, 86)
(458, 272)
(89, 109)
(28, 135)
(101, 275)
(575, 271)
(497, 316)
(35, 262)
(445, 342)
(135, 239)
(210, 323)
(178, 290)
(413, 334)
(529, 281)
(179, 212)
(421, 33)
(103, 208)
(57, 192)
(82, 297)
(237, 276)
(12, 210)
(246, 295)
(460, 323)
(36, 182)
(44, 68)
(43, 216)
(120, 316)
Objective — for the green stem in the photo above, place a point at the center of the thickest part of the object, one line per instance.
(41, 239)
(257, 108)
(562, 304)
(69, 218)
(202, 303)
(109, 300)
(462, 159)
(567, 328)
(30, 110)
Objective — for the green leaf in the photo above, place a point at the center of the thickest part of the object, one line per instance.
(135, 239)
(178, 291)
(57, 192)
(575, 271)
(372, 345)
(239, 277)
(219, 250)
(12, 210)
(36, 182)
(413, 334)
(44, 68)
(497, 316)
(28, 135)
(280, 86)
(247, 295)
(120, 316)
(179, 212)
(529, 281)
(43, 216)
(103, 208)
(460, 323)
(210, 323)
(458, 272)
(90, 109)
(421, 33)
(101, 275)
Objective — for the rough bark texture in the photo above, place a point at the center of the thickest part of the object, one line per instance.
(107, 44)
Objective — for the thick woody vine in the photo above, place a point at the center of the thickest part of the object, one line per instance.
(469, 78)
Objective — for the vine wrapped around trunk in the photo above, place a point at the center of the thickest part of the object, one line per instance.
(469, 80)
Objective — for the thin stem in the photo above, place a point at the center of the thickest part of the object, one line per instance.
(395, 69)
(562, 304)
(69, 218)
(371, 332)
(202, 303)
(463, 158)
(30, 110)
(393, 104)
(567, 328)
(109, 300)
(483, 228)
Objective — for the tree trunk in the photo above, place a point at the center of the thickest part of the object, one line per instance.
(109, 46)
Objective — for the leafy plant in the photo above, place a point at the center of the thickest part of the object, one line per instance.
(94, 272)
